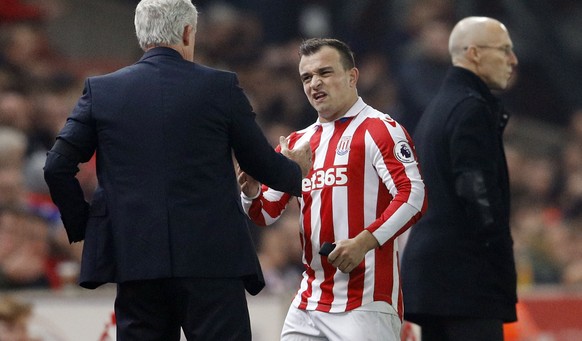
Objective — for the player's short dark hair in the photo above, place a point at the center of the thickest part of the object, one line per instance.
(313, 45)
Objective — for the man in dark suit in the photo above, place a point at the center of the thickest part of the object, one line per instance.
(458, 269)
(165, 222)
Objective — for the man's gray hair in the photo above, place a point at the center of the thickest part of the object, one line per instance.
(162, 22)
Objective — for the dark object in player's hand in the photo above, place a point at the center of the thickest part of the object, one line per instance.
(326, 248)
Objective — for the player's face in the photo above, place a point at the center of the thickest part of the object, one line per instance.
(330, 88)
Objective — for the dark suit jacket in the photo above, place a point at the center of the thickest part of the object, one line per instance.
(164, 131)
(458, 260)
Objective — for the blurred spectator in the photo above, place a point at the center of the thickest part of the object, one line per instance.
(26, 55)
(423, 66)
(538, 260)
(367, 25)
(572, 274)
(421, 57)
(572, 195)
(17, 10)
(571, 199)
(39, 202)
(13, 146)
(377, 84)
(18, 322)
(547, 191)
(232, 37)
(280, 256)
(278, 17)
(14, 319)
(32, 238)
(24, 250)
(275, 130)
(576, 125)
(420, 12)
(272, 83)
(28, 10)
(15, 110)
(53, 102)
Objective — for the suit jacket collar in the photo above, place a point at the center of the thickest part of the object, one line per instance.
(160, 51)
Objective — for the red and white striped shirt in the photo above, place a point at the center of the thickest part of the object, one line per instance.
(364, 176)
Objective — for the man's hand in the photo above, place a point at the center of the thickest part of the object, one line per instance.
(300, 154)
(349, 253)
(248, 185)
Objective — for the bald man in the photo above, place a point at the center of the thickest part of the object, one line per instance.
(458, 269)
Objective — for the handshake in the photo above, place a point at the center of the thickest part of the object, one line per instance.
(301, 154)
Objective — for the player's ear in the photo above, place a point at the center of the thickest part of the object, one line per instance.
(354, 73)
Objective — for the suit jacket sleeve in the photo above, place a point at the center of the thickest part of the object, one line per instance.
(75, 144)
(254, 153)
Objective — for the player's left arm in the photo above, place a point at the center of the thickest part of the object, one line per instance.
(394, 157)
(392, 152)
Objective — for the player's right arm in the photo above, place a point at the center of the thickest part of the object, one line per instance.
(263, 205)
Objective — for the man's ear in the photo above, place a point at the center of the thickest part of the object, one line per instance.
(186, 35)
(473, 54)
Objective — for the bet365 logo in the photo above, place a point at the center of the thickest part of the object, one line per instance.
(335, 176)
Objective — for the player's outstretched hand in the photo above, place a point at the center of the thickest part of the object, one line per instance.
(300, 154)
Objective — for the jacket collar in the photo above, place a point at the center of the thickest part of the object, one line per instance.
(161, 51)
(472, 81)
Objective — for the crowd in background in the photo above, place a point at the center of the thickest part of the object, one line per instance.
(402, 53)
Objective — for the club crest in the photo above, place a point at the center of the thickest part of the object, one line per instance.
(343, 146)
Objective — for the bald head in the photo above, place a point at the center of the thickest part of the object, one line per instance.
(473, 31)
(483, 46)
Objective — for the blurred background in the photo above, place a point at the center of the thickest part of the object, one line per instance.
(48, 48)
